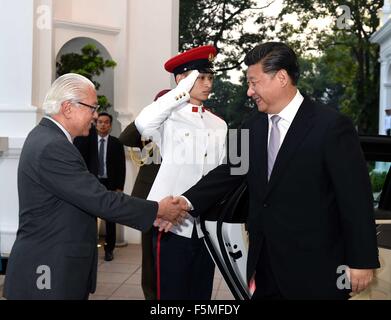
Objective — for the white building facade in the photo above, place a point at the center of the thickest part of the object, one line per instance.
(383, 37)
(140, 35)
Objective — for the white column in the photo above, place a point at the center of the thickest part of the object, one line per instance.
(385, 12)
(43, 51)
(382, 94)
(17, 116)
(152, 38)
(17, 113)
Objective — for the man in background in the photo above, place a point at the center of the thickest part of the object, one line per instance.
(105, 158)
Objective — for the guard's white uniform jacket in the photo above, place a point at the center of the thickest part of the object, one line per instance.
(191, 142)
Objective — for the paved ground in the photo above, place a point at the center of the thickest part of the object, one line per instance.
(120, 279)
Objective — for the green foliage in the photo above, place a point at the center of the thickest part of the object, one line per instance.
(88, 64)
(339, 66)
(377, 180)
(221, 23)
(349, 61)
(329, 79)
(230, 101)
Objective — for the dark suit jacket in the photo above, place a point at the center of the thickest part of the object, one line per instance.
(131, 137)
(59, 200)
(315, 213)
(115, 158)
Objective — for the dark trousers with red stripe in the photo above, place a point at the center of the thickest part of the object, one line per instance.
(184, 268)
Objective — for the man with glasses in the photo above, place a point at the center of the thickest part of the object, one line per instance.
(93, 108)
(55, 252)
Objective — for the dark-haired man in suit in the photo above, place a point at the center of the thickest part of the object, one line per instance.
(105, 158)
(311, 207)
(111, 170)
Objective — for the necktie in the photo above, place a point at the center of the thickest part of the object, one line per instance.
(274, 144)
(101, 169)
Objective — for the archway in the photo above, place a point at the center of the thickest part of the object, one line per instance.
(106, 79)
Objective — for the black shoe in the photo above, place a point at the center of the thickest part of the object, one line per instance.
(109, 256)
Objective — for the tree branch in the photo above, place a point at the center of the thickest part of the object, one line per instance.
(231, 67)
(261, 8)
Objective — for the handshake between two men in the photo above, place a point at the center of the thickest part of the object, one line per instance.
(172, 211)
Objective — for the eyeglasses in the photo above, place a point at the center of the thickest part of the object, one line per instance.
(93, 108)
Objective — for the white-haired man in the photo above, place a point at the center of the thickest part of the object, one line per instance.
(55, 252)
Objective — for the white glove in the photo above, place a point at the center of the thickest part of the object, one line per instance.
(187, 83)
(151, 118)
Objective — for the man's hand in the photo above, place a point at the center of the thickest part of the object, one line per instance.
(182, 202)
(163, 225)
(360, 279)
(172, 210)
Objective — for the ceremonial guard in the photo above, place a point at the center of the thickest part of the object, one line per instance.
(192, 142)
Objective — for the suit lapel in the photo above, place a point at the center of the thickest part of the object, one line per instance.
(109, 153)
(94, 146)
(297, 132)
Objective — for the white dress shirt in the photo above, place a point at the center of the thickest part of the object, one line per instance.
(287, 115)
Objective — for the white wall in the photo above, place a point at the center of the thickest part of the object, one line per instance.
(385, 83)
(90, 11)
(140, 35)
(106, 79)
(152, 39)
(15, 64)
(17, 115)
(383, 37)
(149, 49)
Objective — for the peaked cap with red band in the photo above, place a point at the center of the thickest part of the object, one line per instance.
(200, 58)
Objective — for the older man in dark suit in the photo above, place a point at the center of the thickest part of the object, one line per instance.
(55, 252)
(310, 208)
